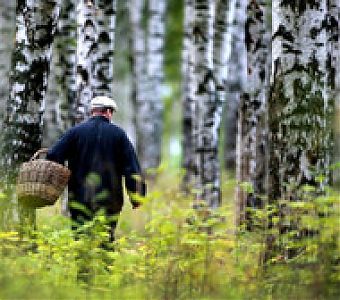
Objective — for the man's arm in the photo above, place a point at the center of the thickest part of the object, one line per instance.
(134, 181)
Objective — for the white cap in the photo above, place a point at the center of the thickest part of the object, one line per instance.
(103, 101)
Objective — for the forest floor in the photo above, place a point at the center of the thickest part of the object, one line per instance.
(167, 250)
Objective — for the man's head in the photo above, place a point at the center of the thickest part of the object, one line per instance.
(103, 106)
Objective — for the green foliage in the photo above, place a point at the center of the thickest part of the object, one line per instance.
(167, 250)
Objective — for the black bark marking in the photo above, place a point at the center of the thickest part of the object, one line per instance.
(284, 33)
(300, 6)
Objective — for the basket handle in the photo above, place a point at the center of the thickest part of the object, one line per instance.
(36, 154)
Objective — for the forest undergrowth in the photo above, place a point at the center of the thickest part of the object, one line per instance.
(167, 250)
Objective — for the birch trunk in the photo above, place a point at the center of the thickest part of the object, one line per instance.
(67, 50)
(36, 23)
(139, 81)
(207, 118)
(87, 46)
(61, 93)
(103, 66)
(187, 95)
(7, 32)
(221, 54)
(237, 77)
(35, 28)
(300, 109)
(95, 52)
(152, 138)
(252, 124)
(52, 120)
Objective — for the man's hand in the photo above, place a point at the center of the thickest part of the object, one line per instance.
(135, 204)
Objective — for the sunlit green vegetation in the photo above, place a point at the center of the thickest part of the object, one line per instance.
(167, 250)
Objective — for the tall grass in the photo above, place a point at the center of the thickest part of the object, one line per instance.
(167, 250)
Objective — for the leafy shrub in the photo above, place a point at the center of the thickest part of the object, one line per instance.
(167, 250)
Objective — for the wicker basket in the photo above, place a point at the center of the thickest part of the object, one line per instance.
(40, 181)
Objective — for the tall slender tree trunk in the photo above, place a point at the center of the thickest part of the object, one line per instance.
(54, 97)
(7, 33)
(300, 107)
(207, 117)
(87, 46)
(236, 80)
(61, 93)
(67, 51)
(187, 95)
(35, 28)
(252, 125)
(36, 23)
(221, 54)
(62, 88)
(103, 66)
(139, 81)
(152, 139)
(95, 52)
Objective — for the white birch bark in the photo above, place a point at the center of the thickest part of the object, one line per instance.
(139, 81)
(36, 22)
(252, 123)
(300, 109)
(7, 33)
(221, 53)
(35, 28)
(207, 118)
(187, 94)
(95, 52)
(103, 66)
(237, 78)
(61, 92)
(87, 45)
(54, 97)
(67, 49)
(155, 38)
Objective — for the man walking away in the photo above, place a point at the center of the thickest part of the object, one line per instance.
(99, 154)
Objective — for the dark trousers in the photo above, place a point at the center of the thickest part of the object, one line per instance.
(79, 218)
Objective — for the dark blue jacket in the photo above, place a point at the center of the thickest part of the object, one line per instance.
(99, 154)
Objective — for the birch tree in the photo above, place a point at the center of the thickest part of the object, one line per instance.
(103, 65)
(7, 32)
(86, 53)
(152, 138)
(61, 93)
(252, 123)
(147, 57)
(95, 52)
(236, 78)
(35, 28)
(67, 60)
(187, 94)
(300, 109)
(139, 80)
(206, 103)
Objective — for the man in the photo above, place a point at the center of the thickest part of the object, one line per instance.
(99, 154)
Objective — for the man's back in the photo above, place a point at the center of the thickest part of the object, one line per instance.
(99, 154)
